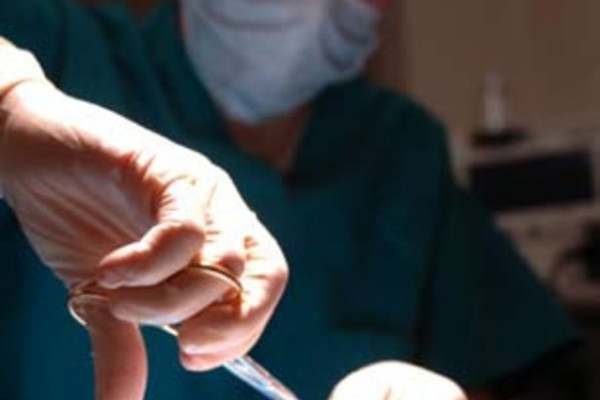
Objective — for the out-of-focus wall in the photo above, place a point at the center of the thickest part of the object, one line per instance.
(547, 50)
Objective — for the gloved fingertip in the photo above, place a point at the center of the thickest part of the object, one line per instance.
(194, 363)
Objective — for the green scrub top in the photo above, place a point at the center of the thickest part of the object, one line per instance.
(389, 259)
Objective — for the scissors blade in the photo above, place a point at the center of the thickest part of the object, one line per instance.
(251, 372)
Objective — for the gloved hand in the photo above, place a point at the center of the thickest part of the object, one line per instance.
(394, 380)
(104, 200)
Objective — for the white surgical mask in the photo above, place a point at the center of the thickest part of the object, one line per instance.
(262, 58)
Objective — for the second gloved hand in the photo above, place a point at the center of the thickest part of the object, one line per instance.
(395, 380)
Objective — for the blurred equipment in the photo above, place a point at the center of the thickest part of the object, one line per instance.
(543, 189)
(496, 127)
(587, 253)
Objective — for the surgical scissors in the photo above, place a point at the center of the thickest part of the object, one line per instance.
(243, 367)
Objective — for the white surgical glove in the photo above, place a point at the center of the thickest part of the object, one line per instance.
(102, 199)
(394, 380)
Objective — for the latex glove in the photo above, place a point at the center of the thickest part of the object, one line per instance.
(394, 380)
(103, 199)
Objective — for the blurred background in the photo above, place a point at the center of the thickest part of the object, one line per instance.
(517, 83)
(548, 52)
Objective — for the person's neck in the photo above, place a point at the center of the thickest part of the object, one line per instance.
(274, 141)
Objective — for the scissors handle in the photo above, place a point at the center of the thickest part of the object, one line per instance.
(244, 367)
